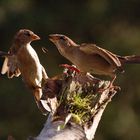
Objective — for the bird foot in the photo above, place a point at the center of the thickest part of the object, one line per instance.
(110, 86)
(69, 67)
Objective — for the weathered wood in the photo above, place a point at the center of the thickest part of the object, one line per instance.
(78, 101)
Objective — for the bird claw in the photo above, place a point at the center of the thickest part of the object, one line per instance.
(110, 86)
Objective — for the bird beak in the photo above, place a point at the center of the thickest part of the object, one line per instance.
(35, 37)
(53, 37)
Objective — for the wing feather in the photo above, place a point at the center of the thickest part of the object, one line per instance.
(10, 66)
(107, 55)
(5, 66)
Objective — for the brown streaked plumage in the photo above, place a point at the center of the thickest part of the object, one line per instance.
(23, 59)
(91, 58)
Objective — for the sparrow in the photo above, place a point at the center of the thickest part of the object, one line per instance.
(23, 60)
(91, 58)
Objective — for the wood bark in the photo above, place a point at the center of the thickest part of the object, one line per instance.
(77, 101)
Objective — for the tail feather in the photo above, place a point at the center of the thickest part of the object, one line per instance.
(133, 59)
(3, 54)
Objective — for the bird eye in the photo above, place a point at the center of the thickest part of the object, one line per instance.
(27, 34)
(62, 37)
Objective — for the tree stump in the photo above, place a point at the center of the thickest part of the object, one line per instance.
(77, 101)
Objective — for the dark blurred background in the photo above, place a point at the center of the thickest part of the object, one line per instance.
(114, 25)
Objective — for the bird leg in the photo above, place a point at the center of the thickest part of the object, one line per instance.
(110, 86)
(111, 83)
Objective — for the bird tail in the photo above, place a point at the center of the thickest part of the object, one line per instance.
(132, 59)
(4, 54)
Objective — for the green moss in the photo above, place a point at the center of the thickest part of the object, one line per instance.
(80, 106)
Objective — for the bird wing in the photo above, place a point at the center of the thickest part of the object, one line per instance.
(5, 66)
(10, 66)
(107, 55)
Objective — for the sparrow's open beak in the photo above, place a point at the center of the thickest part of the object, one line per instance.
(54, 37)
(35, 37)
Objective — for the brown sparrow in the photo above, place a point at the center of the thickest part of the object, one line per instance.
(23, 59)
(91, 58)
